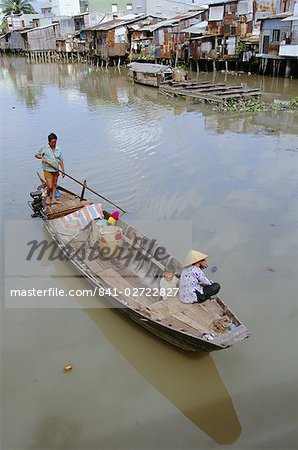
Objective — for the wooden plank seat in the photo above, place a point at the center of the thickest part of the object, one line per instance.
(116, 281)
(168, 306)
(179, 325)
(188, 320)
(69, 204)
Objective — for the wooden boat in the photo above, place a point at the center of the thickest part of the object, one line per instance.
(149, 74)
(131, 283)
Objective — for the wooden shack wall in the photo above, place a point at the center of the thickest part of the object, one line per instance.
(118, 49)
(15, 41)
(2, 43)
(42, 39)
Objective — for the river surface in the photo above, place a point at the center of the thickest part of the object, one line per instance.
(224, 183)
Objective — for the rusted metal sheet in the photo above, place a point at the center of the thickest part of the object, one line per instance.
(111, 38)
(118, 50)
(273, 49)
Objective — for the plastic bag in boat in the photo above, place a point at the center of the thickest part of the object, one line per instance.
(110, 237)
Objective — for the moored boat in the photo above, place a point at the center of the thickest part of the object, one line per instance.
(150, 74)
(126, 267)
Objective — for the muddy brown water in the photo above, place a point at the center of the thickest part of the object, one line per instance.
(228, 182)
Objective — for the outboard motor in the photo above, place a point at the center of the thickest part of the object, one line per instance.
(36, 203)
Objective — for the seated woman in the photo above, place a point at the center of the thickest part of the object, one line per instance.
(194, 286)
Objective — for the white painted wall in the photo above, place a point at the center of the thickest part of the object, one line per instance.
(288, 50)
(161, 8)
(65, 7)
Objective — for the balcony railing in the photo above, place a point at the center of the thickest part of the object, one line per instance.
(288, 50)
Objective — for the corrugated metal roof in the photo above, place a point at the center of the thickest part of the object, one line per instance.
(173, 20)
(198, 28)
(107, 25)
(150, 68)
(111, 24)
(277, 16)
(252, 39)
(203, 37)
(40, 28)
(290, 19)
(189, 14)
(220, 2)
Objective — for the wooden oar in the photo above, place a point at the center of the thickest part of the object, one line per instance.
(84, 185)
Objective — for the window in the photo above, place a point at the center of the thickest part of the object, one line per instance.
(114, 7)
(129, 6)
(276, 36)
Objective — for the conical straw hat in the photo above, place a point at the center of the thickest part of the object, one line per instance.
(192, 257)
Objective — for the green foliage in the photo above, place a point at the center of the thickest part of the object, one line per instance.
(181, 68)
(9, 7)
(233, 105)
(240, 48)
(294, 102)
(4, 26)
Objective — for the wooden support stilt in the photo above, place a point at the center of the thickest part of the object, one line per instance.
(214, 65)
(278, 67)
(274, 67)
(288, 68)
(226, 65)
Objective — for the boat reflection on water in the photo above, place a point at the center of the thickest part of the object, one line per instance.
(188, 380)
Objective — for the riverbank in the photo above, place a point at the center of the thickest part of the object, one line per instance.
(234, 67)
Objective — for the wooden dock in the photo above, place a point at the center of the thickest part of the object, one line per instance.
(204, 91)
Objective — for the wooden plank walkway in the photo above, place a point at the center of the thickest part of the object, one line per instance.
(207, 92)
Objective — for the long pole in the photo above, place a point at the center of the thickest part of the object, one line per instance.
(86, 187)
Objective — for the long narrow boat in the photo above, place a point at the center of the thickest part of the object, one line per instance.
(129, 278)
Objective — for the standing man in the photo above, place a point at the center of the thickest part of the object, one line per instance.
(51, 154)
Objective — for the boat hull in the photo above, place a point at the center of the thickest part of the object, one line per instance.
(172, 336)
